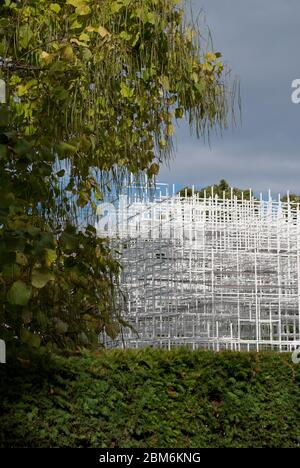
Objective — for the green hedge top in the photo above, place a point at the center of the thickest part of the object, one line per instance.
(152, 398)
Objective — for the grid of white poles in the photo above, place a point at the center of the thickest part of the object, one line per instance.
(217, 273)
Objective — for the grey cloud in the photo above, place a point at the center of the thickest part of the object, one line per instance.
(259, 39)
(203, 166)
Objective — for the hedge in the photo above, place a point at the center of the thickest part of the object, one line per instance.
(151, 398)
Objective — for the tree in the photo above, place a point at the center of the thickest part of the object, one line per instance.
(94, 90)
(221, 189)
(292, 197)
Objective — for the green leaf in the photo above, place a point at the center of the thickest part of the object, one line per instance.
(87, 54)
(79, 43)
(83, 10)
(35, 341)
(76, 3)
(179, 113)
(210, 56)
(164, 80)
(102, 31)
(25, 36)
(125, 36)
(69, 241)
(21, 259)
(84, 37)
(66, 148)
(50, 257)
(19, 294)
(75, 25)
(153, 170)
(68, 53)
(200, 86)
(30, 338)
(55, 7)
(170, 130)
(126, 92)
(40, 277)
(150, 18)
(83, 199)
(116, 6)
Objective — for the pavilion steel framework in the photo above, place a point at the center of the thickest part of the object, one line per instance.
(217, 273)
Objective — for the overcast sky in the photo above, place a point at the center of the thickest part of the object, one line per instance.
(260, 41)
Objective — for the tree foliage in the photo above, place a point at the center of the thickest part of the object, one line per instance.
(293, 198)
(222, 189)
(94, 91)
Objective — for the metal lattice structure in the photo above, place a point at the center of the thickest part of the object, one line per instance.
(210, 272)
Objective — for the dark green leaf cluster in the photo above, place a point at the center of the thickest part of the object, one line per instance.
(152, 398)
(93, 91)
(221, 190)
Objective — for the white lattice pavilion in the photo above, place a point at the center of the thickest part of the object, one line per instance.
(209, 272)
